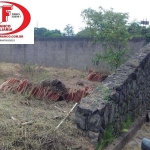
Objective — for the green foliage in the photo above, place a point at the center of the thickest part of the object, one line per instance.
(105, 92)
(68, 30)
(109, 136)
(135, 29)
(84, 33)
(127, 123)
(43, 32)
(27, 68)
(108, 28)
(36, 72)
(147, 35)
(113, 58)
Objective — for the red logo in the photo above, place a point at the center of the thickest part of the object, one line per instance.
(5, 13)
(11, 12)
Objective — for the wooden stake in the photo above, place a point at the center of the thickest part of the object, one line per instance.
(66, 116)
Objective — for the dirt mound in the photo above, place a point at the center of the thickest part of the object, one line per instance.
(54, 85)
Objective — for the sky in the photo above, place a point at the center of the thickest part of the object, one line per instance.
(56, 14)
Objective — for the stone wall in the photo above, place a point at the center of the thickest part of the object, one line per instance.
(124, 93)
(76, 53)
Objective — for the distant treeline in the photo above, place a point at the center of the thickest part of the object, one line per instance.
(135, 29)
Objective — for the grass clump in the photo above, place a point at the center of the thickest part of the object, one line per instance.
(126, 124)
(109, 134)
(105, 92)
(35, 72)
(108, 137)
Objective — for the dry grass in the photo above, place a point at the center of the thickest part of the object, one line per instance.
(41, 134)
(16, 109)
(37, 73)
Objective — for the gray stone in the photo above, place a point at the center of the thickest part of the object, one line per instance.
(117, 126)
(129, 93)
(121, 98)
(101, 109)
(120, 109)
(84, 107)
(112, 112)
(80, 120)
(106, 113)
(94, 137)
(94, 122)
(115, 97)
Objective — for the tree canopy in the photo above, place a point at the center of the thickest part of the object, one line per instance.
(84, 33)
(68, 30)
(43, 32)
(106, 26)
(135, 29)
(109, 28)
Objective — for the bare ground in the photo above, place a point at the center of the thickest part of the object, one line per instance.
(135, 143)
(30, 123)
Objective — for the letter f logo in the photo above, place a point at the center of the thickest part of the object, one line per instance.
(5, 13)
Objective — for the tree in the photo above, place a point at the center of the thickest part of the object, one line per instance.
(52, 33)
(68, 30)
(135, 29)
(43, 32)
(84, 33)
(147, 35)
(39, 32)
(109, 28)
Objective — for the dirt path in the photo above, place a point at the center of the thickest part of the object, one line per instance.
(135, 143)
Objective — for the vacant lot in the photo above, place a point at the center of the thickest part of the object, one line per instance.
(28, 123)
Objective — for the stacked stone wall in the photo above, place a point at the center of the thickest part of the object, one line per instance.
(125, 93)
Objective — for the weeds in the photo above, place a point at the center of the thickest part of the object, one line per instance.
(82, 76)
(36, 72)
(126, 124)
(109, 136)
(105, 92)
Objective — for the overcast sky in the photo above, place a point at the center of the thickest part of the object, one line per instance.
(56, 14)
